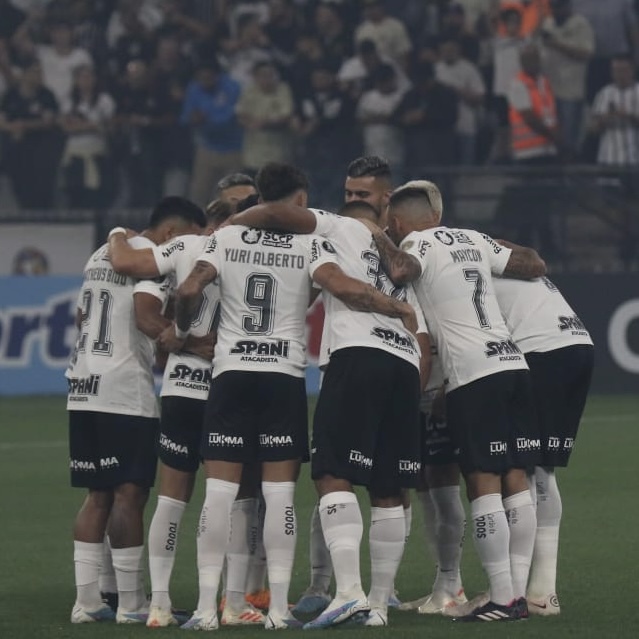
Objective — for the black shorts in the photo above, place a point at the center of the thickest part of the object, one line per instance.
(438, 447)
(561, 381)
(492, 423)
(366, 425)
(255, 417)
(107, 450)
(181, 424)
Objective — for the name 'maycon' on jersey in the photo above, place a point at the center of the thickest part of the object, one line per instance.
(456, 293)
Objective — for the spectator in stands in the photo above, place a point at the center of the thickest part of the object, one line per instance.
(88, 19)
(131, 39)
(568, 43)
(428, 114)
(209, 109)
(507, 46)
(87, 117)
(181, 17)
(382, 134)
(535, 142)
(58, 59)
(10, 19)
(250, 46)
(265, 110)
(308, 54)
(143, 112)
(284, 23)
(388, 34)
(7, 76)
(331, 30)
(171, 73)
(616, 32)
(356, 73)
(454, 26)
(533, 13)
(532, 113)
(31, 139)
(464, 77)
(141, 17)
(326, 118)
(616, 115)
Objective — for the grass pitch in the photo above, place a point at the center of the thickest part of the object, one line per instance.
(599, 559)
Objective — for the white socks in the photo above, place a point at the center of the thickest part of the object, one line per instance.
(430, 523)
(280, 536)
(212, 540)
(343, 528)
(451, 523)
(492, 541)
(387, 537)
(321, 566)
(256, 579)
(87, 559)
(163, 536)
(107, 574)
(238, 555)
(523, 525)
(128, 564)
(543, 574)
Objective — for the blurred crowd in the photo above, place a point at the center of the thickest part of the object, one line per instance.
(118, 102)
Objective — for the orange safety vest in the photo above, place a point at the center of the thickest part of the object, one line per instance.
(543, 104)
(532, 15)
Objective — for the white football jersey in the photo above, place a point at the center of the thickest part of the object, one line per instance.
(456, 293)
(265, 288)
(188, 375)
(359, 258)
(538, 316)
(111, 368)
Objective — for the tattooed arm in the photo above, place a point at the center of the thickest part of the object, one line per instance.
(360, 296)
(189, 294)
(401, 267)
(524, 263)
(277, 215)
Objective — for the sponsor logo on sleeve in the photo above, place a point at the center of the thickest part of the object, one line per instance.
(211, 245)
(171, 248)
(497, 249)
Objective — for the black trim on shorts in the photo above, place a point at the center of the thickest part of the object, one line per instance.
(181, 424)
(560, 382)
(107, 450)
(253, 416)
(366, 425)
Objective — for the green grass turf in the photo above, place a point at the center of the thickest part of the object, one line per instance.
(598, 571)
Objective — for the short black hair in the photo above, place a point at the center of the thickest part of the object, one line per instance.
(410, 193)
(218, 211)
(349, 208)
(234, 179)
(276, 181)
(175, 206)
(247, 202)
(369, 166)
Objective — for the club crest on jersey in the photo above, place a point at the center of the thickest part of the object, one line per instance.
(251, 236)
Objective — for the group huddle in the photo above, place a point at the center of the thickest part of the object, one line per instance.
(444, 353)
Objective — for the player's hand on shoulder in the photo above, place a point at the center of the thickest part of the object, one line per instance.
(409, 318)
(169, 341)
